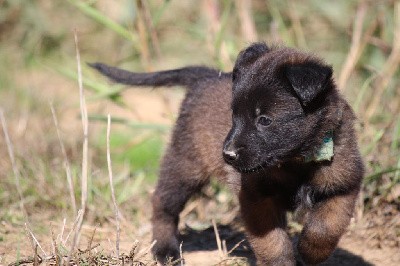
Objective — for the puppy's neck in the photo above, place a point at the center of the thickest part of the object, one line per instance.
(324, 151)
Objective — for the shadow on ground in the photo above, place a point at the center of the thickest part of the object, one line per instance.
(204, 240)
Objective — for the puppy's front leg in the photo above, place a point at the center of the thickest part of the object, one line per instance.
(265, 222)
(324, 226)
(179, 180)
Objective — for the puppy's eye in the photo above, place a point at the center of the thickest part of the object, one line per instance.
(264, 120)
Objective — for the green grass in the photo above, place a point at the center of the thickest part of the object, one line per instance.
(44, 41)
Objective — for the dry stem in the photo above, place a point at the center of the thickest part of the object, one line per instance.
(66, 162)
(17, 179)
(33, 238)
(218, 239)
(110, 175)
(355, 48)
(13, 164)
(248, 27)
(85, 125)
(390, 67)
(143, 5)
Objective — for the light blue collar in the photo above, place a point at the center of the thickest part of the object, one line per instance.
(324, 152)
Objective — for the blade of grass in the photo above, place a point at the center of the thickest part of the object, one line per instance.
(132, 124)
(158, 14)
(389, 68)
(143, 36)
(248, 27)
(378, 135)
(355, 48)
(102, 91)
(226, 14)
(297, 27)
(375, 176)
(396, 136)
(363, 90)
(34, 239)
(282, 28)
(105, 21)
(144, 7)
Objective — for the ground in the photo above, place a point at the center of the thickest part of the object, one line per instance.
(367, 242)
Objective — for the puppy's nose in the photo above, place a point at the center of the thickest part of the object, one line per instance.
(230, 155)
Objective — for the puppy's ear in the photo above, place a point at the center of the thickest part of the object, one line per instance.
(248, 56)
(251, 53)
(309, 80)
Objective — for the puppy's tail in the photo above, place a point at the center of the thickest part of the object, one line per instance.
(186, 76)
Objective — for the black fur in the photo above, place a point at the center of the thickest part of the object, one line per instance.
(252, 129)
(186, 76)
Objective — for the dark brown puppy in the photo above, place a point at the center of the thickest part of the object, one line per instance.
(262, 129)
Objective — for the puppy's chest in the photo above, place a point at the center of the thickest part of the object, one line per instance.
(277, 182)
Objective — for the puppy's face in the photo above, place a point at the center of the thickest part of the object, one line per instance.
(276, 107)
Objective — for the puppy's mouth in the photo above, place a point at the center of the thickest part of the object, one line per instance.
(256, 169)
(270, 162)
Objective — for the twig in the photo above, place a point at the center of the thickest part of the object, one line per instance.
(88, 250)
(110, 175)
(78, 217)
(59, 260)
(29, 231)
(218, 239)
(61, 236)
(91, 239)
(66, 162)
(181, 254)
(32, 242)
(224, 248)
(35, 257)
(75, 229)
(355, 48)
(145, 251)
(235, 247)
(25, 261)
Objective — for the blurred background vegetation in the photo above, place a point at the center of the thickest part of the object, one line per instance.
(360, 38)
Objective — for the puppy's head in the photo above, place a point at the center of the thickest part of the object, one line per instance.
(282, 102)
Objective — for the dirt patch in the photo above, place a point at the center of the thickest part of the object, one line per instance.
(366, 242)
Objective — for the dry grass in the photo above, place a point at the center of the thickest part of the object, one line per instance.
(112, 186)
(46, 166)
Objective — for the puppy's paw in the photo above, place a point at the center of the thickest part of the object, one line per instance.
(166, 251)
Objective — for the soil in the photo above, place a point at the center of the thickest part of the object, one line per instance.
(372, 240)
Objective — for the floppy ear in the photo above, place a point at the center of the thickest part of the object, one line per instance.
(248, 56)
(308, 80)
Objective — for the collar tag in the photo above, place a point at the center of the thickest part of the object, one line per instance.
(325, 151)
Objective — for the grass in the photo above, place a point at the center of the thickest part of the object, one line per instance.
(38, 66)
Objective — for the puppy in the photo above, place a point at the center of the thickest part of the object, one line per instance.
(278, 132)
